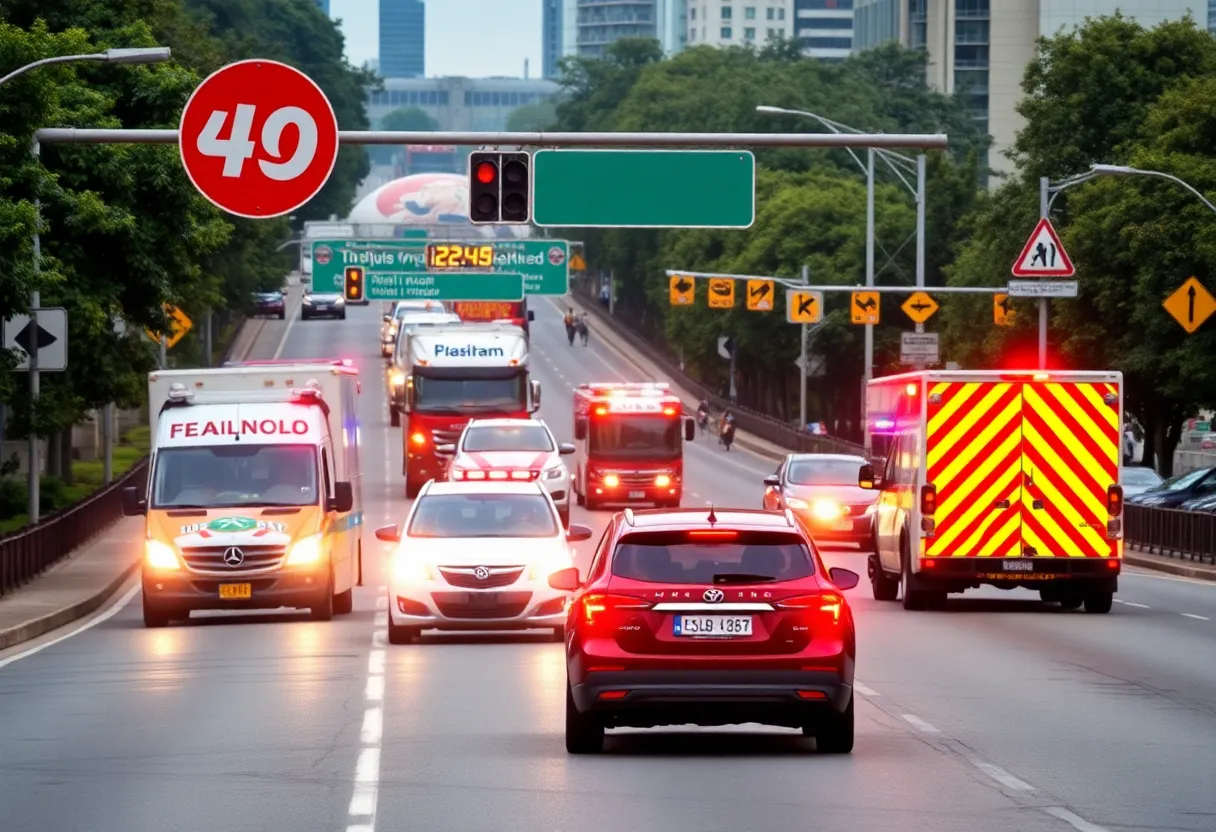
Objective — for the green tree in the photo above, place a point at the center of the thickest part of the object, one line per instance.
(406, 119)
(532, 117)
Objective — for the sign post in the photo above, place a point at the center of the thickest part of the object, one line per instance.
(1043, 256)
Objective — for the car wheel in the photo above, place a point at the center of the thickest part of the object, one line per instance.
(342, 316)
(834, 735)
(1071, 602)
(400, 634)
(344, 602)
(304, 316)
(154, 616)
(584, 733)
(324, 611)
(885, 588)
(394, 417)
(912, 599)
(1099, 602)
(282, 315)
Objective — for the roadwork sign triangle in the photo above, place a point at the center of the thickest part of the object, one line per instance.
(1044, 255)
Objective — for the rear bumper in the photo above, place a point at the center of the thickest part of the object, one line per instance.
(624, 495)
(1031, 573)
(269, 590)
(644, 698)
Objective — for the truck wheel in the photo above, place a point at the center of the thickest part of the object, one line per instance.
(885, 588)
(1099, 602)
(394, 417)
(912, 599)
(344, 602)
(1071, 602)
(154, 616)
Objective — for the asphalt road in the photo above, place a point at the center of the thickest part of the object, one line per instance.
(995, 714)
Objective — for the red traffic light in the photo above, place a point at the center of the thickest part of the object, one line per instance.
(486, 172)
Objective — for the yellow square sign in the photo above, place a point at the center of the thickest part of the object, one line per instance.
(721, 293)
(1002, 310)
(920, 307)
(760, 295)
(803, 306)
(864, 308)
(1191, 305)
(682, 289)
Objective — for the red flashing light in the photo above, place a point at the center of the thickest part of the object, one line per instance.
(1113, 563)
(928, 500)
(486, 173)
(418, 438)
(1114, 500)
(669, 411)
(601, 411)
(911, 389)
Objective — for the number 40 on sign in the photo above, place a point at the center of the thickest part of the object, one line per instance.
(258, 138)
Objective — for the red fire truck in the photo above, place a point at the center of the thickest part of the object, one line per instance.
(630, 444)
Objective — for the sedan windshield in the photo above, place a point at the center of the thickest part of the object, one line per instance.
(507, 438)
(483, 515)
(824, 471)
(235, 475)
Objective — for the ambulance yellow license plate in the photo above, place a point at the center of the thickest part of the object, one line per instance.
(236, 592)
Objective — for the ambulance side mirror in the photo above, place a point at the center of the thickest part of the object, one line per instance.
(343, 499)
(535, 395)
(388, 318)
(772, 481)
(690, 430)
(865, 477)
(131, 504)
(580, 429)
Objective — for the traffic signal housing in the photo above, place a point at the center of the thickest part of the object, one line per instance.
(353, 288)
(499, 188)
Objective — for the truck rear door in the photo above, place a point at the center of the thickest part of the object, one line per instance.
(973, 447)
(1070, 439)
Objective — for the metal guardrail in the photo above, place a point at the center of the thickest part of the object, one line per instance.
(1172, 532)
(751, 421)
(27, 553)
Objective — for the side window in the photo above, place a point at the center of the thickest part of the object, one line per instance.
(889, 470)
(600, 558)
(326, 472)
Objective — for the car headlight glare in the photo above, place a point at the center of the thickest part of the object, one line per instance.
(305, 551)
(825, 510)
(795, 503)
(546, 565)
(408, 569)
(611, 480)
(160, 555)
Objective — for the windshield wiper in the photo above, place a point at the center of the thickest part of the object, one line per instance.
(741, 578)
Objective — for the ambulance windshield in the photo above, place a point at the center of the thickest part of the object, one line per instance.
(620, 436)
(227, 476)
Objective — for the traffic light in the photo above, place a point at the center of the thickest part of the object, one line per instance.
(499, 188)
(354, 284)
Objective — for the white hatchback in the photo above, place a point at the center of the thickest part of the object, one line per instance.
(478, 556)
(520, 450)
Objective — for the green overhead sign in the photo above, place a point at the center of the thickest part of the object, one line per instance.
(544, 264)
(644, 188)
(443, 286)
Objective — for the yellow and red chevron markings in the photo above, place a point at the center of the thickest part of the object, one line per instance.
(1021, 467)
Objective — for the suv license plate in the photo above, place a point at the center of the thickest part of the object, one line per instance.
(1019, 566)
(718, 626)
(637, 495)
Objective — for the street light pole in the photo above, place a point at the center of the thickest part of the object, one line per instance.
(869, 373)
(110, 56)
(806, 278)
(1044, 209)
(920, 227)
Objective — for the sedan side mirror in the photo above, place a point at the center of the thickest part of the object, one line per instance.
(772, 481)
(389, 534)
(566, 580)
(344, 497)
(865, 477)
(576, 533)
(565, 449)
(131, 504)
(843, 578)
(690, 430)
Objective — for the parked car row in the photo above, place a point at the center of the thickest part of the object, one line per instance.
(1192, 491)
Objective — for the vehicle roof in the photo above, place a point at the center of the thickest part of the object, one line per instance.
(825, 457)
(504, 423)
(734, 519)
(483, 487)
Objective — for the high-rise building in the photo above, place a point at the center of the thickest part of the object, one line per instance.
(402, 38)
(824, 28)
(551, 29)
(588, 26)
(739, 22)
(980, 48)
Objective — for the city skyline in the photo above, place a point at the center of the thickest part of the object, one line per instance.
(473, 38)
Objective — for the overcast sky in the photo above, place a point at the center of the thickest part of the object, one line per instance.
(475, 38)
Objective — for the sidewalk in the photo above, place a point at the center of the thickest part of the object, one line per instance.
(1183, 567)
(618, 344)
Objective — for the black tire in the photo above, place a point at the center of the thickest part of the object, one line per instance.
(1071, 602)
(282, 316)
(344, 602)
(394, 417)
(584, 733)
(834, 735)
(324, 610)
(154, 616)
(342, 316)
(912, 599)
(883, 586)
(304, 316)
(400, 634)
(1099, 602)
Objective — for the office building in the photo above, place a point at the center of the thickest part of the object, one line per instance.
(402, 38)
(459, 104)
(980, 48)
(824, 28)
(738, 22)
(551, 34)
(589, 26)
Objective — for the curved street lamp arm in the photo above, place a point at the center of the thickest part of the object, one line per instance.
(1178, 181)
(59, 59)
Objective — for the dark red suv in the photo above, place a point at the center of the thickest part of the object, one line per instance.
(709, 618)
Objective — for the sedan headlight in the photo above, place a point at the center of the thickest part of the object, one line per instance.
(411, 570)
(160, 555)
(340, 300)
(545, 565)
(307, 550)
(555, 473)
(825, 510)
(795, 503)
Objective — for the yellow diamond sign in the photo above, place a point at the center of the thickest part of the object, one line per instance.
(920, 307)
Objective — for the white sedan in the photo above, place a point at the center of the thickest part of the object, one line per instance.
(478, 556)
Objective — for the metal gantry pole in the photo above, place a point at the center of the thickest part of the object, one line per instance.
(920, 227)
(806, 279)
(1044, 186)
(33, 505)
(869, 369)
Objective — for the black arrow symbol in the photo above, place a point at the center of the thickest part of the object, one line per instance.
(918, 306)
(683, 286)
(45, 339)
(761, 290)
(1004, 304)
(866, 304)
(722, 289)
(1190, 305)
(804, 306)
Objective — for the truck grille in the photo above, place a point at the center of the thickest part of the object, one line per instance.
(446, 437)
(476, 605)
(212, 558)
(466, 577)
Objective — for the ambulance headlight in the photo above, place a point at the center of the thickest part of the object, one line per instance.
(305, 551)
(160, 555)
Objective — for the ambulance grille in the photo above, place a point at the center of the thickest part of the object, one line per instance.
(212, 558)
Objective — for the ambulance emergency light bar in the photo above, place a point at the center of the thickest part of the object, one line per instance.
(628, 406)
(625, 387)
(309, 393)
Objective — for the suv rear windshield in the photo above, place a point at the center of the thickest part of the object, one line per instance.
(686, 558)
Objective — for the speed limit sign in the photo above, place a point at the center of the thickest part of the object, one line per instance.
(258, 138)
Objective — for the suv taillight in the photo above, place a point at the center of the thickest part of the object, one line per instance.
(827, 606)
(596, 607)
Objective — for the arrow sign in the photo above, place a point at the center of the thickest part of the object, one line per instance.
(1043, 254)
(726, 346)
(49, 338)
(1191, 304)
(683, 285)
(680, 290)
(803, 306)
(761, 290)
(760, 295)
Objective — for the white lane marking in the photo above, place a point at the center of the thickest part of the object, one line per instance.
(919, 724)
(381, 618)
(373, 726)
(375, 662)
(375, 688)
(88, 625)
(367, 778)
(1003, 777)
(863, 690)
(366, 791)
(381, 602)
(1196, 617)
(287, 331)
(1075, 821)
(1132, 604)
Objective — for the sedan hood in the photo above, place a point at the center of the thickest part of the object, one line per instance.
(484, 551)
(850, 495)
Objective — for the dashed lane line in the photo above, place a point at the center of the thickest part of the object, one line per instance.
(1132, 604)
(863, 689)
(1001, 776)
(1196, 617)
(366, 792)
(920, 724)
(1074, 820)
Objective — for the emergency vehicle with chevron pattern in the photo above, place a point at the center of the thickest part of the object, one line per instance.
(1008, 479)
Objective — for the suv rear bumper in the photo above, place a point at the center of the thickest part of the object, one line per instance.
(645, 698)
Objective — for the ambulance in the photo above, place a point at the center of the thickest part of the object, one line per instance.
(254, 496)
(1006, 479)
(629, 444)
(458, 372)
